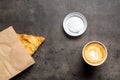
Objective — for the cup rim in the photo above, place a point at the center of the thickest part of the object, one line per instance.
(72, 14)
(89, 62)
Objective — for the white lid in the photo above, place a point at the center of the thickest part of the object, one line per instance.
(75, 24)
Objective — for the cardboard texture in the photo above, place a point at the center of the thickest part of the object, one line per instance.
(13, 56)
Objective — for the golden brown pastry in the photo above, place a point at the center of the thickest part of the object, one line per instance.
(30, 42)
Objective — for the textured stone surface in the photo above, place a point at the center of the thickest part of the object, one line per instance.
(59, 58)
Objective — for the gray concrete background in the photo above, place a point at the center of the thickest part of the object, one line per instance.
(59, 58)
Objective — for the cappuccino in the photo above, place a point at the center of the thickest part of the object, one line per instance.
(94, 53)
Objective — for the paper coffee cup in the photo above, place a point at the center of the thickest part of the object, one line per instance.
(94, 53)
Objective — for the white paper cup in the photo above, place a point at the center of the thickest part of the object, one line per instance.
(75, 24)
(100, 62)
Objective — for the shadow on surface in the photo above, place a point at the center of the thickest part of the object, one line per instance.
(85, 71)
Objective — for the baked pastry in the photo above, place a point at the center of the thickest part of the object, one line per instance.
(31, 42)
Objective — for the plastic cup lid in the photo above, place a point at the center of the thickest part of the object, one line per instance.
(75, 24)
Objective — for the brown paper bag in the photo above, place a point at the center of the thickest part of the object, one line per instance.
(13, 56)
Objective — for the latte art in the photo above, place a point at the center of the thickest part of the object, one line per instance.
(94, 53)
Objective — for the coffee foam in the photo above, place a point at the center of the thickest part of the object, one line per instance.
(94, 53)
